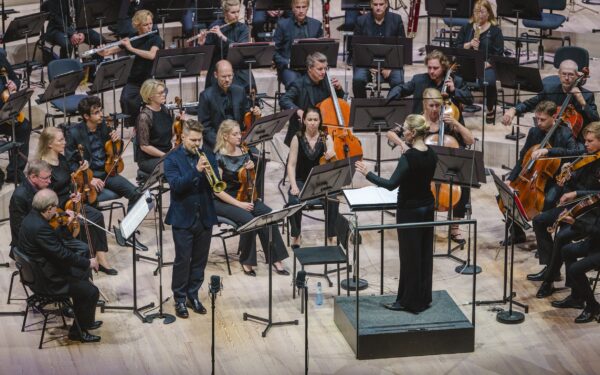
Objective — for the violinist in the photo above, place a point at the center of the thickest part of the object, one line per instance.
(483, 34)
(51, 148)
(584, 181)
(308, 91)
(93, 134)
(298, 26)
(61, 270)
(582, 99)
(310, 144)
(237, 203)
(153, 126)
(379, 22)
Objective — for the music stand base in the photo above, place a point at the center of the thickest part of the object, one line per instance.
(4, 265)
(269, 322)
(136, 312)
(510, 317)
(167, 318)
(513, 137)
(467, 270)
(350, 284)
(12, 313)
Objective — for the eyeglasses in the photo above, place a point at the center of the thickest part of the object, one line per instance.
(46, 178)
(567, 75)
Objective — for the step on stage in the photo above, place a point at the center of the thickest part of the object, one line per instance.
(441, 329)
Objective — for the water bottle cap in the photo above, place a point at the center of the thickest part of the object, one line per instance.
(318, 283)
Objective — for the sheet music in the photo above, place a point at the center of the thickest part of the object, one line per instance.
(371, 196)
(136, 215)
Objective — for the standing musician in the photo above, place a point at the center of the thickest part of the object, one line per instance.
(582, 99)
(62, 29)
(437, 67)
(9, 84)
(51, 148)
(308, 148)
(144, 50)
(308, 91)
(412, 177)
(153, 126)
(432, 103)
(237, 203)
(584, 181)
(93, 134)
(299, 26)
(483, 34)
(62, 271)
(191, 214)
(382, 23)
(563, 144)
(222, 33)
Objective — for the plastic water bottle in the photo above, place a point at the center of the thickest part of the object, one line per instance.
(319, 298)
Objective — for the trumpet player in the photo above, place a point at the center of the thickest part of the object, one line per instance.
(189, 169)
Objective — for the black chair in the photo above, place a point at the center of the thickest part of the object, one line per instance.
(580, 55)
(33, 278)
(549, 22)
(224, 233)
(66, 106)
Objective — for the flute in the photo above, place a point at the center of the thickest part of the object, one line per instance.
(204, 32)
(115, 44)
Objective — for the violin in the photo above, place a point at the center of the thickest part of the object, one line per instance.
(82, 178)
(586, 204)
(322, 159)
(247, 177)
(62, 219)
(566, 172)
(249, 117)
(567, 111)
(114, 149)
(6, 93)
(177, 127)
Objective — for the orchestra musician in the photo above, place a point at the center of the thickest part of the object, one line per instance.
(263, 21)
(63, 271)
(412, 177)
(306, 150)
(298, 26)
(379, 22)
(308, 91)
(127, 9)
(144, 50)
(239, 206)
(432, 103)
(51, 148)
(582, 100)
(584, 181)
(153, 126)
(483, 34)
(191, 214)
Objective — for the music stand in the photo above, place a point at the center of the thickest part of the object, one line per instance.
(528, 9)
(98, 13)
(302, 48)
(260, 222)
(181, 62)
(8, 113)
(126, 230)
(389, 56)
(355, 5)
(110, 75)
(448, 9)
(272, 5)
(251, 55)
(61, 86)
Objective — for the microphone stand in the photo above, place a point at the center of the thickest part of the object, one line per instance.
(215, 287)
(301, 283)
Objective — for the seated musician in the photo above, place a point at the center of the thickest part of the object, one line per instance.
(22, 127)
(432, 103)
(63, 271)
(124, 28)
(308, 91)
(237, 203)
(63, 31)
(154, 126)
(221, 34)
(92, 133)
(483, 34)
(437, 67)
(379, 22)
(299, 26)
(51, 148)
(306, 151)
(583, 181)
(144, 49)
(264, 21)
(582, 99)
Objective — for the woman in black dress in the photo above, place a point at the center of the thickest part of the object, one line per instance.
(412, 177)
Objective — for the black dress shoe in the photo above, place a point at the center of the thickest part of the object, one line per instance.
(537, 276)
(68, 312)
(395, 306)
(587, 315)
(568, 303)
(455, 238)
(196, 305)
(108, 271)
(517, 240)
(180, 310)
(282, 271)
(546, 290)
(97, 324)
(83, 337)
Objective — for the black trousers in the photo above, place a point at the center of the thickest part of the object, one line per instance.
(191, 254)
(97, 235)
(247, 244)
(22, 135)
(577, 269)
(61, 39)
(80, 248)
(563, 237)
(85, 297)
(416, 258)
(122, 187)
(296, 219)
(131, 102)
(148, 165)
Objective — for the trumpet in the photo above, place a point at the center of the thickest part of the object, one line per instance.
(216, 185)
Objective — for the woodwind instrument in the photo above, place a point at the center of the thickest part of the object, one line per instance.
(326, 19)
(413, 18)
(206, 31)
(476, 34)
(250, 18)
(115, 44)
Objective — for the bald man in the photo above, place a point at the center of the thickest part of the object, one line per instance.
(223, 101)
(582, 99)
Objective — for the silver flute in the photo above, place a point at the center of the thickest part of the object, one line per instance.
(172, 106)
(93, 51)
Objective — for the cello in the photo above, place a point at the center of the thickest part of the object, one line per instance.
(567, 111)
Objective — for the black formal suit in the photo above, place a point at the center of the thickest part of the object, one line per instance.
(19, 207)
(192, 215)
(55, 263)
(212, 111)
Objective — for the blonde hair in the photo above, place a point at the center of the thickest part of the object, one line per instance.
(488, 6)
(225, 129)
(438, 55)
(226, 4)
(592, 128)
(149, 88)
(140, 17)
(47, 136)
(417, 124)
(297, 1)
(433, 95)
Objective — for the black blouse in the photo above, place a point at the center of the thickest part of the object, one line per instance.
(307, 157)
(61, 180)
(142, 68)
(230, 165)
(491, 40)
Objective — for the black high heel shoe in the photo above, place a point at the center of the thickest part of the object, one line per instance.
(249, 273)
(490, 117)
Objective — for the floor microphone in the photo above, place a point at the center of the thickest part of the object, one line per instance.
(300, 279)
(215, 284)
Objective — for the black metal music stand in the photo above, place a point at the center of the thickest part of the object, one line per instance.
(389, 56)
(447, 9)
(111, 75)
(463, 168)
(355, 5)
(519, 9)
(8, 113)
(5, 13)
(301, 48)
(259, 222)
(126, 230)
(272, 5)
(61, 86)
(98, 13)
(181, 62)
(251, 55)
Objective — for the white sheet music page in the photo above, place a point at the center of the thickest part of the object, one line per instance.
(136, 215)
(370, 195)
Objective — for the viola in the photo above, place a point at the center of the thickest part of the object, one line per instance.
(566, 172)
(177, 127)
(62, 219)
(249, 117)
(114, 149)
(586, 204)
(6, 93)
(322, 159)
(82, 178)
(247, 177)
